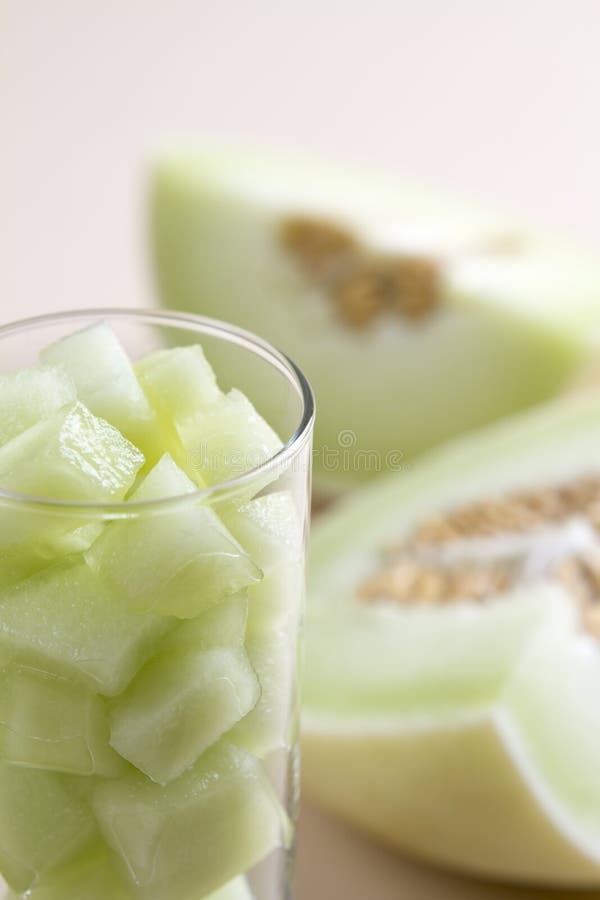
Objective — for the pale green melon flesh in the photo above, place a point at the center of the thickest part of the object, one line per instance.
(74, 644)
(154, 830)
(31, 395)
(67, 621)
(48, 722)
(105, 380)
(515, 324)
(419, 720)
(179, 706)
(176, 564)
(42, 824)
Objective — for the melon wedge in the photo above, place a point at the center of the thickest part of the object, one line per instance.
(465, 731)
(449, 316)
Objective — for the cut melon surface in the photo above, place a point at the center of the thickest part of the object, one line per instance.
(105, 380)
(464, 730)
(42, 824)
(68, 621)
(48, 722)
(31, 395)
(177, 564)
(91, 876)
(300, 253)
(179, 706)
(226, 799)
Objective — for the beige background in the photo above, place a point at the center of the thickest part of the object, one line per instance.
(497, 99)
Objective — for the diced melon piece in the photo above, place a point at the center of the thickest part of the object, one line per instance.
(226, 439)
(268, 528)
(276, 603)
(42, 824)
(105, 380)
(180, 705)
(91, 876)
(71, 456)
(67, 620)
(187, 839)
(30, 395)
(48, 722)
(178, 563)
(273, 721)
(235, 890)
(178, 382)
(223, 625)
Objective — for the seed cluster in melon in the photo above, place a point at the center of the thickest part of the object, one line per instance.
(453, 662)
(144, 656)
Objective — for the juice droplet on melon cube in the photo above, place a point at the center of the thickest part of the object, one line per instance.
(43, 823)
(105, 380)
(48, 722)
(185, 840)
(66, 620)
(180, 705)
(30, 395)
(178, 563)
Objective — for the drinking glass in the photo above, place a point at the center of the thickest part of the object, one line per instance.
(86, 672)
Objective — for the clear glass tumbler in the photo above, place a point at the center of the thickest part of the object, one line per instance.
(148, 676)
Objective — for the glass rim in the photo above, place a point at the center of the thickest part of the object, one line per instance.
(201, 324)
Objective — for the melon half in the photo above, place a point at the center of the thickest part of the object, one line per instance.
(448, 316)
(453, 657)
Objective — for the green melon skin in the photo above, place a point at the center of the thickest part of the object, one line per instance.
(466, 733)
(190, 838)
(175, 564)
(514, 327)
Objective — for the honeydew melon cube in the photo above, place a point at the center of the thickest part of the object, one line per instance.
(30, 395)
(193, 836)
(48, 722)
(91, 876)
(236, 890)
(177, 563)
(226, 439)
(268, 528)
(224, 625)
(72, 456)
(66, 620)
(180, 705)
(178, 382)
(272, 723)
(42, 824)
(105, 380)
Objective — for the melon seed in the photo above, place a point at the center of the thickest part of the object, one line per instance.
(360, 284)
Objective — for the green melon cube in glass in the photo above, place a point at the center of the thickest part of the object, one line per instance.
(180, 563)
(178, 706)
(31, 395)
(49, 722)
(66, 620)
(43, 823)
(194, 835)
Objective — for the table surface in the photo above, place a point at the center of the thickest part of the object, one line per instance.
(496, 100)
